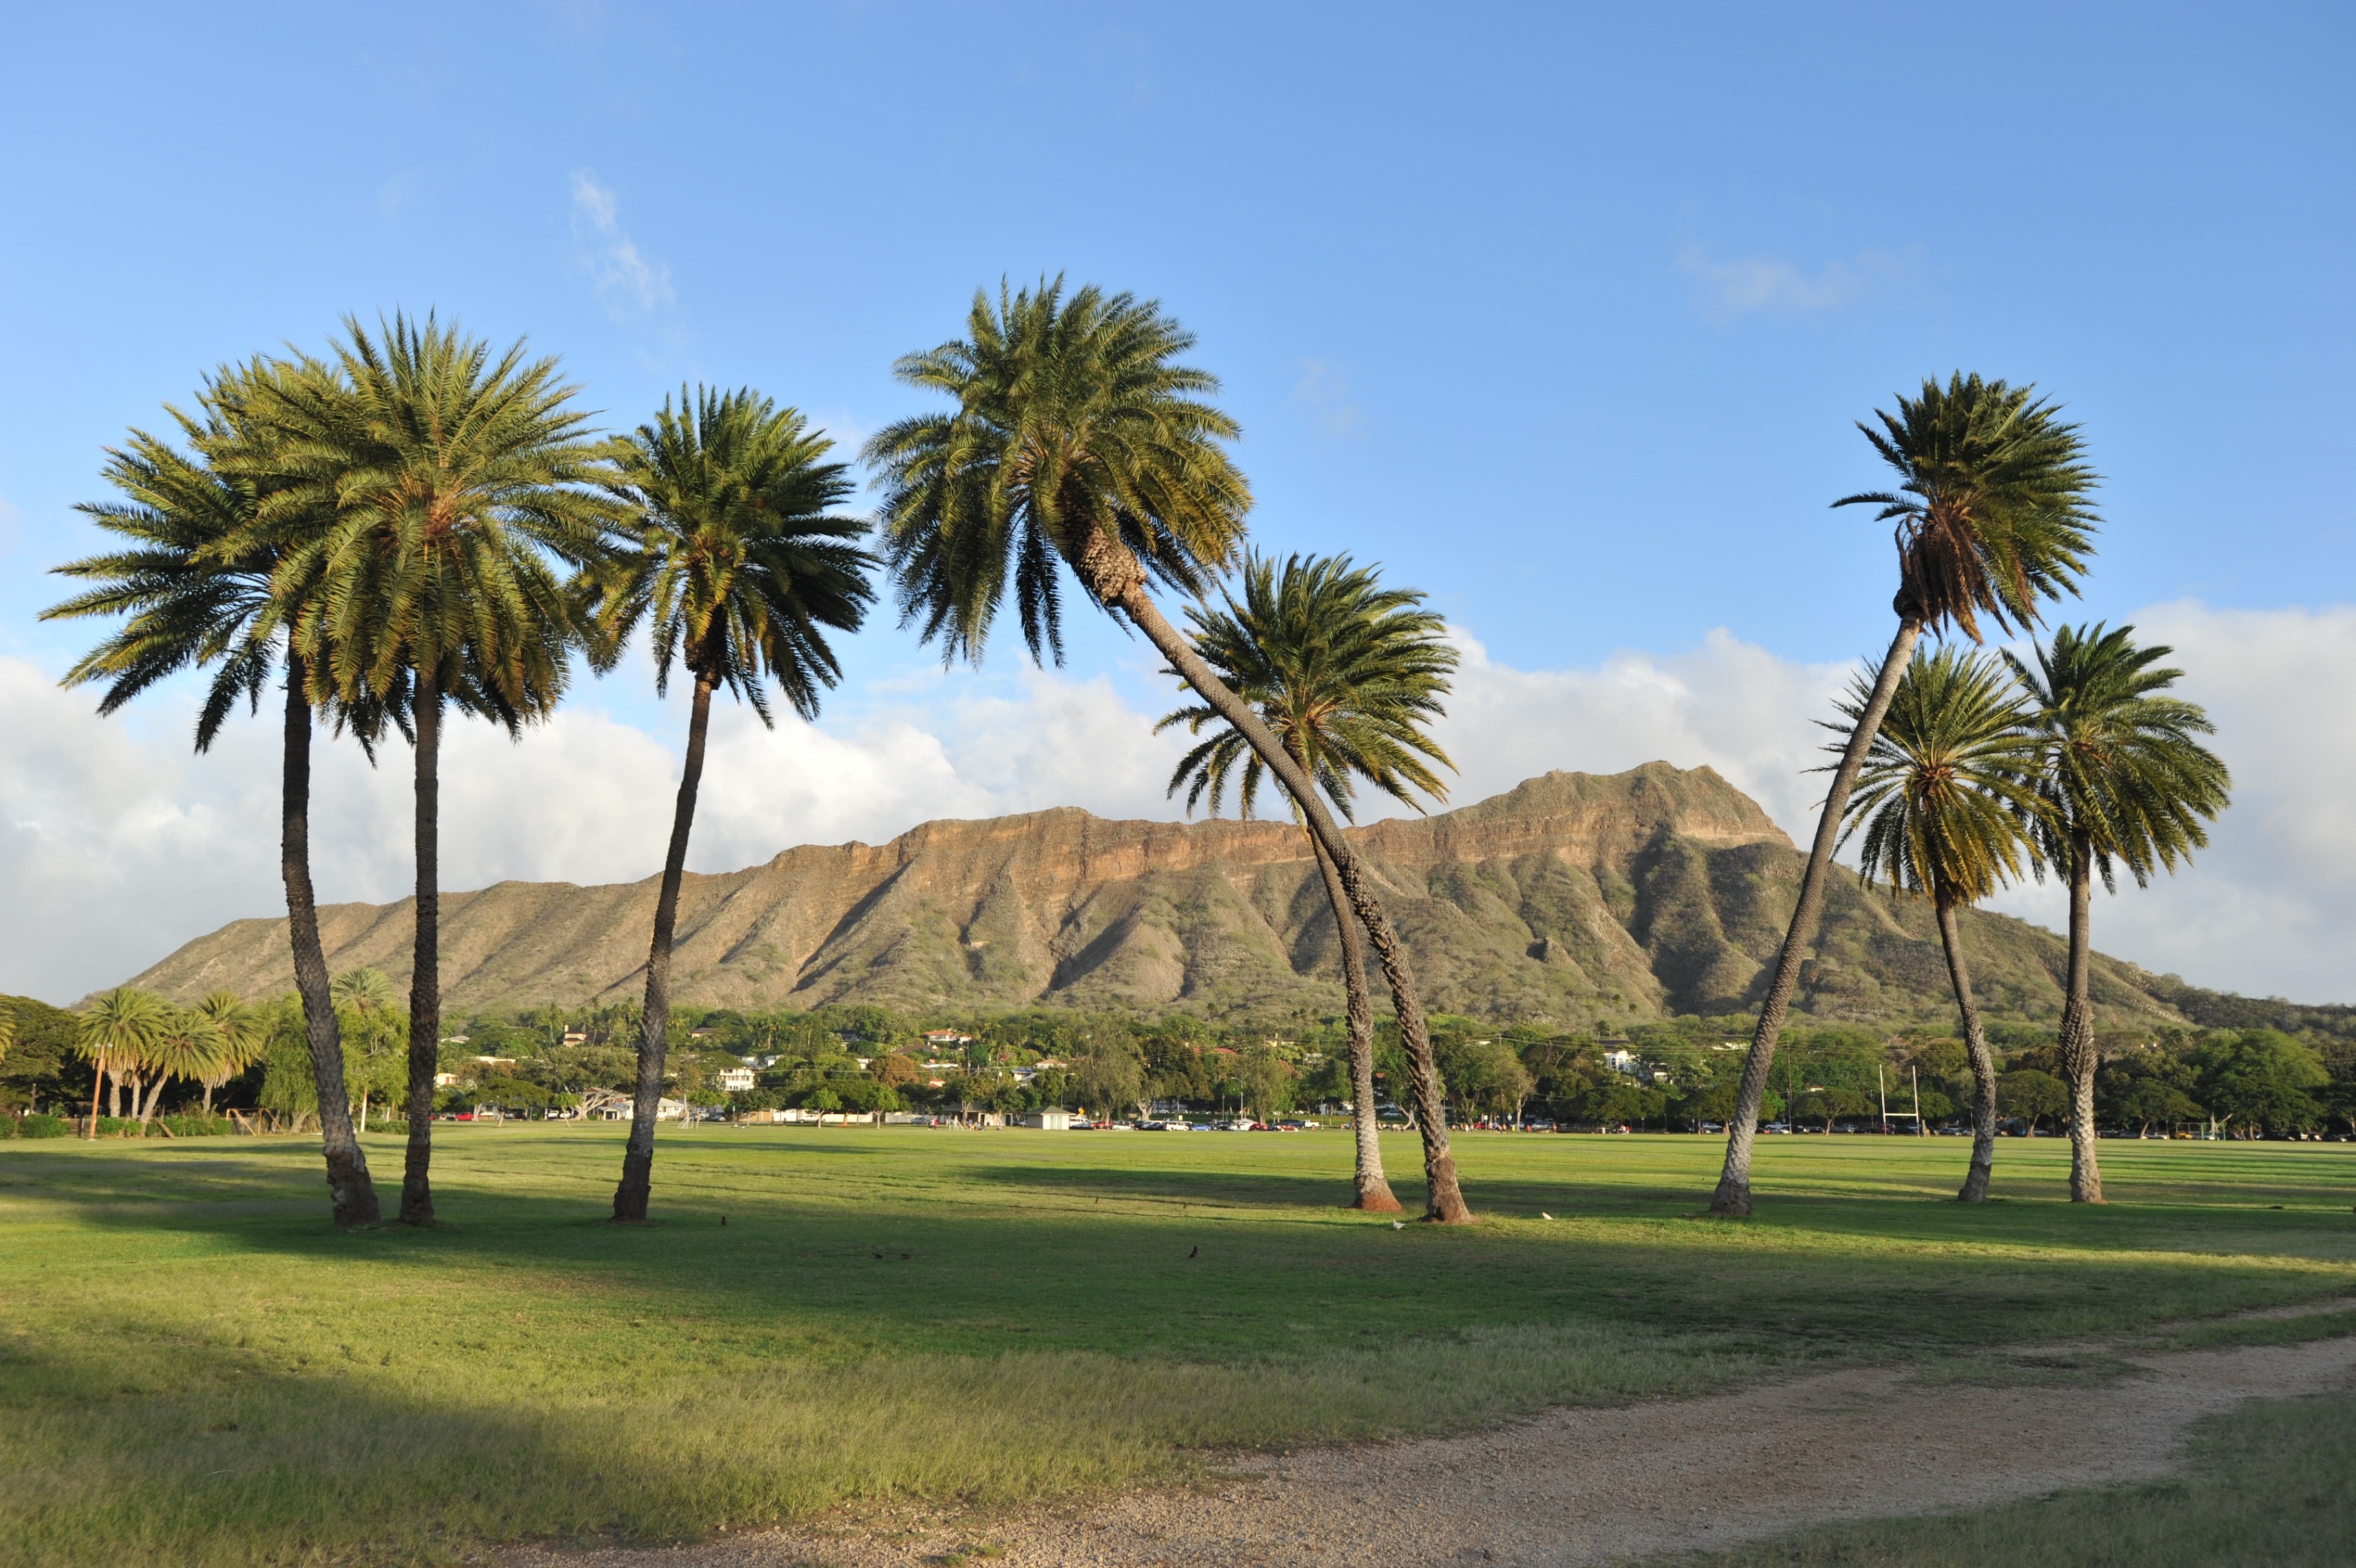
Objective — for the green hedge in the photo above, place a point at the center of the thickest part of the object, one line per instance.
(37, 1126)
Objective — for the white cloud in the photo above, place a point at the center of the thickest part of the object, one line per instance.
(1729, 703)
(116, 845)
(1743, 285)
(622, 275)
(2269, 908)
(1324, 390)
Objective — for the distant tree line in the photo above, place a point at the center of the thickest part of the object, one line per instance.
(1680, 1074)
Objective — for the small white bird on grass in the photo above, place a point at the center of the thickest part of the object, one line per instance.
(1398, 1224)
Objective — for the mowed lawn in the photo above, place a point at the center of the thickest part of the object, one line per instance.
(195, 1368)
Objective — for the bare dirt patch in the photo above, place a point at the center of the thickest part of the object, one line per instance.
(1590, 1486)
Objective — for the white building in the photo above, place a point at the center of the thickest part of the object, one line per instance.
(735, 1079)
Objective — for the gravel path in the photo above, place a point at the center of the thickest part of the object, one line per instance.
(1601, 1485)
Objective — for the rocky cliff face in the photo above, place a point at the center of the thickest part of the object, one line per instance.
(1571, 899)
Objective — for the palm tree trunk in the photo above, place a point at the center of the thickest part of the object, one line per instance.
(1976, 1180)
(351, 1194)
(638, 1153)
(1734, 1195)
(2078, 1057)
(114, 1101)
(1375, 1195)
(208, 1099)
(1123, 585)
(425, 975)
(147, 1108)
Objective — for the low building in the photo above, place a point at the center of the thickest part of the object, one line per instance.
(1049, 1121)
(735, 1079)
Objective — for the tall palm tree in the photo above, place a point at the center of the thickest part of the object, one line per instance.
(117, 1032)
(457, 484)
(1346, 673)
(1993, 514)
(734, 554)
(1942, 802)
(243, 1038)
(2122, 783)
(1077, 437)
(200, 587)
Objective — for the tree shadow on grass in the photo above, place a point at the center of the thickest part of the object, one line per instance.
(987, 1257)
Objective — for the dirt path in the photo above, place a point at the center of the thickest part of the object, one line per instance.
(1599, 1485)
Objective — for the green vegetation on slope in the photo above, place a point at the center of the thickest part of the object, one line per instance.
(199, 1370)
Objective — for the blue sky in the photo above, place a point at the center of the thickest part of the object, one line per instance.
(1562, 312)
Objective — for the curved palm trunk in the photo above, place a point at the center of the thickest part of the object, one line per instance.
(1374, 1194)
(351, 1194)
(1118, 583)
(1976, 1180)
(638, 1157)
(1733, 1194)
(154, 1098)
(2078, 1057)
(425, 974)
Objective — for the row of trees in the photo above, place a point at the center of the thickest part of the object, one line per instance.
(137, 1042)
(2248, 1083)
(408, 524)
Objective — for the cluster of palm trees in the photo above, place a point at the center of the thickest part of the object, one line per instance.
(408, 524)
(1976, 769)
(136, 1041)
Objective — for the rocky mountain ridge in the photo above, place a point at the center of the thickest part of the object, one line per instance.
(1572, 899)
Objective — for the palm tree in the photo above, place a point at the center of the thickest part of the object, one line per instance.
(1346, 673)
(1993, 514)
(201, 588)
(188, 1045)
(2122, 781)
(1943, 799)
(452, 479)
(734, 554)
(243, 1038)
(368, 997)
(1077, 437)
(117, 1032)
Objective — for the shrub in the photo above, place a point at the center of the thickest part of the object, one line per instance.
(38, 1125)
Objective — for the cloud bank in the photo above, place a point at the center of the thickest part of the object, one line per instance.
(116, 845)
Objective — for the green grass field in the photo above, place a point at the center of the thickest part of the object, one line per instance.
(195, 1369)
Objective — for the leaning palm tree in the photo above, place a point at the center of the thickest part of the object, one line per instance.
(115, 1034)
(1078, 438)
(188, 1045)
(734, 554)
(1346, 673)
(243, 1037)
(2121, 781)
(1942, 801)
(456, 486)
(200, 587)
(1993, 515)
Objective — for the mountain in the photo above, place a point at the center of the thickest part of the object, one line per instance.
(1572, 899)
